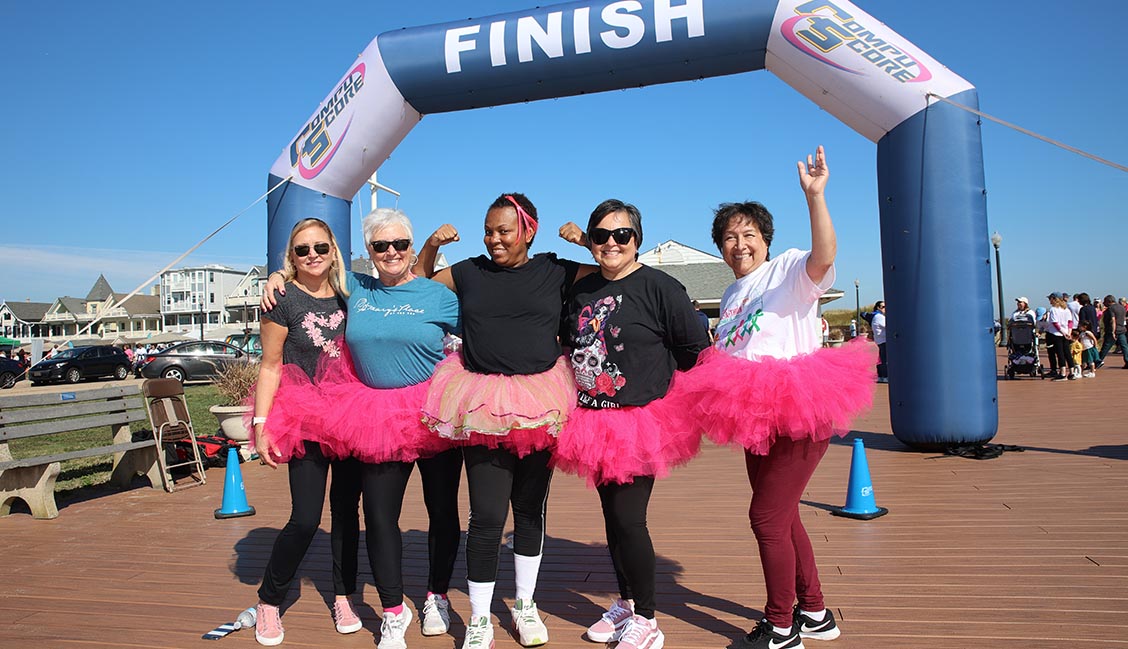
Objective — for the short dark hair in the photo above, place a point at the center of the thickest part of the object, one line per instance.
(522, 200)
(1083, 299)
(749, 211)
(1109, 300)
(610, 206)
(880, 304)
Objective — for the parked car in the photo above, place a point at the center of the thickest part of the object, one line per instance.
(250, 343)
(193, 361)
(74, 365)
(10, 372)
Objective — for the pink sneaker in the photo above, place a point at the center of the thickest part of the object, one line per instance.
(641, 633)
(610, 627)
(268, 626)
(346, 618)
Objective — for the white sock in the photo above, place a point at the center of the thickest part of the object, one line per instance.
(481, 596)
(818, 616)
(782, 630)
(525, 571)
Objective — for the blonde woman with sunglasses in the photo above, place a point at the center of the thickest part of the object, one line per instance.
(301, 331)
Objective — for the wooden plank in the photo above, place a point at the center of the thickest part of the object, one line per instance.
(65, 396)
(89, 452)
(9, 417)
(65, 425)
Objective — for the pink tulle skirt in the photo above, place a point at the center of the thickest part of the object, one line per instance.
(614, 445)
(295, 417)
(811, 396)
(374, 425)
(522, 413)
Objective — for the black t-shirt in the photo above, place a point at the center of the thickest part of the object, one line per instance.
(511, 316)
(629, 335)
(312, 326)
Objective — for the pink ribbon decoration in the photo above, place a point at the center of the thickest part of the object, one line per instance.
(524, 221)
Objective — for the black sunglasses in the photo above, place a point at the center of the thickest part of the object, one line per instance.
(319, 248)
(399, 244)
(622, 236)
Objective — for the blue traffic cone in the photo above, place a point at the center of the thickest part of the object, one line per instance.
(234, 495)
(860, 502)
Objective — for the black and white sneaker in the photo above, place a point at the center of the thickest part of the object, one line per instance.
(808, 628)
(764, 637)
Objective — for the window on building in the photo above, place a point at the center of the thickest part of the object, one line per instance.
(212, 295)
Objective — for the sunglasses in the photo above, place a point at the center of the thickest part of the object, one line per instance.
(399, 244)
(622, 236)
(319, 248)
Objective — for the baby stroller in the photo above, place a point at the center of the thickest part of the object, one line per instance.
(1022, 351)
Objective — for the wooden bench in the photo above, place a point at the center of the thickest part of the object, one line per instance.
(33, 479)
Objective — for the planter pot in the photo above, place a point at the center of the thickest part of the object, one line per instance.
(231, 421)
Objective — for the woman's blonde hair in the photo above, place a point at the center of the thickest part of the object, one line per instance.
(337, 278)
(1058, 302)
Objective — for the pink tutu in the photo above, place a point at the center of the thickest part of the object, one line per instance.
(618, 444)
(811, 396)
(295, 416)
(522, 413)
(374, 425)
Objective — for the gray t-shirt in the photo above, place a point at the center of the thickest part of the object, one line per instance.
(313, 326)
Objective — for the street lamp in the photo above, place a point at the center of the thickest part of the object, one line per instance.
(996, 239)
(857, 302)
(246, 324)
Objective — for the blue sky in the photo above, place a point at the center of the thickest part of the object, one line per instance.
(135, 128)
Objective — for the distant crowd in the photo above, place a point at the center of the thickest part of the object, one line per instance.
(1077, 332)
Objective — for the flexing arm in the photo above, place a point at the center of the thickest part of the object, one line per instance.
(572, 233)
(425, 266)
(824, 244)
(270, 373)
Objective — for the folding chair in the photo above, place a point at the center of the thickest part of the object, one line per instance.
(168, 414)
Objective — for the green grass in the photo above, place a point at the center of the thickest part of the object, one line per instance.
(94, 471)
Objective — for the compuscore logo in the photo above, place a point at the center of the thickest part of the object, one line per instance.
(317, 143)
(823, 27)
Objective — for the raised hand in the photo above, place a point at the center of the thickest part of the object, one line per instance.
(446, 233)
(813, 174)
(572, 233)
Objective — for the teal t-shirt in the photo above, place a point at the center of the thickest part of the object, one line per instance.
(395, 334)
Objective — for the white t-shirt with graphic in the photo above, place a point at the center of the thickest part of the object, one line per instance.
(773, 311)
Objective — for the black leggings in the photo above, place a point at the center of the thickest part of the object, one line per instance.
(628, 539)
(307, 496)
(1059, 350)
(384, 486)
(497, 478)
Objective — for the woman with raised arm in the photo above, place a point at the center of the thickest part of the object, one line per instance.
(630, 327)
(771, 388)
(296, 335)
(505, 397)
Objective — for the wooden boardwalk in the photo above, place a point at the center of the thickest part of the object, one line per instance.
(1026, 550)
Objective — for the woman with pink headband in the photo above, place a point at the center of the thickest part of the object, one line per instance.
(505, 396)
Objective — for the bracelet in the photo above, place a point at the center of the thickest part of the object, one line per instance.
(255, 421)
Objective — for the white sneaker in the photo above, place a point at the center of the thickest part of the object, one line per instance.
(531, 631)
(393, 629)
(479, 634)
(1089, 375)
(642, 633)
(436, 615)
(610, 627)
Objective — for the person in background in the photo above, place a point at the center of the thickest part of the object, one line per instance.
(1074, 306)
(1088, 313)
(878, 327)
(1059, 326)
(1089, 355)
(1076, 352)
(1115, 332)
(701, 315)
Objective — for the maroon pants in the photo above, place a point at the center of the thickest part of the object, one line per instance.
(778, 480)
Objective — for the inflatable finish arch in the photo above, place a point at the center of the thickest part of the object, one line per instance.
(930, 164)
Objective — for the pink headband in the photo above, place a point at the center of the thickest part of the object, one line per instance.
(524, 221)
